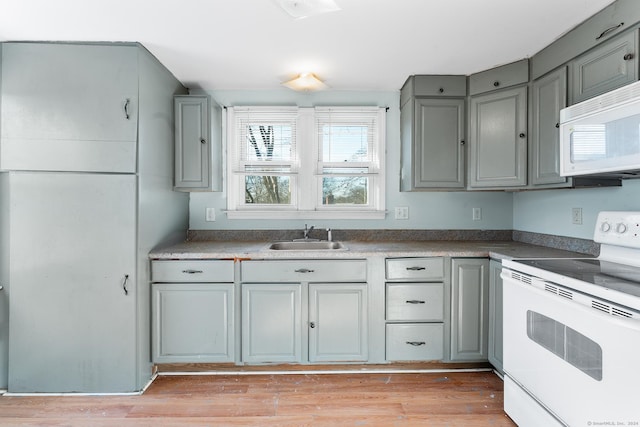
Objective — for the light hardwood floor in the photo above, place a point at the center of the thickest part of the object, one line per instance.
(307, 399)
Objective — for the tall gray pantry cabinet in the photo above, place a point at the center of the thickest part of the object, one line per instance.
(86, 154)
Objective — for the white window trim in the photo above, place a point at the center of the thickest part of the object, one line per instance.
(304, 203)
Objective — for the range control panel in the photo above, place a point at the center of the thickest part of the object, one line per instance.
(618, 228)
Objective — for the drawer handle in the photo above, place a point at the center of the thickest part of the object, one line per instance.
(304, 270)
(191, 271)
(416, 343)
(416, 268)
(414, 301)
(608, 30)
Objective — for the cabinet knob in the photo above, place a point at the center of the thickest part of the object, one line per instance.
(203, 141)
(312, 325)
(522, 135)
(628, 57)
(462, 142)
(557, 125)
(1, 287)
(496, 83)
(441, 90)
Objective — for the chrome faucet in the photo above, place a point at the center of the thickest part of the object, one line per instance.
(307, 231)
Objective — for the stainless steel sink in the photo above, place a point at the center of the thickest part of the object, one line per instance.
(307, 245)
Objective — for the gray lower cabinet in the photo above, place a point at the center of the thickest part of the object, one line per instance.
(548, 97)
(612, 64)
(495, 315)
(469, 309)
(304, 311)
(192, 143)
(498, 139)
(415, 312)
(192, 315)
(272, 323)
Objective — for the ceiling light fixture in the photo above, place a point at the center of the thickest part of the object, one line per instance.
(305, 82)
(305, 8)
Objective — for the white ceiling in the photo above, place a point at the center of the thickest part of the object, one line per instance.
(253, 44)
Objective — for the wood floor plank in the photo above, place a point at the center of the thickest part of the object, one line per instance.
(469, 399)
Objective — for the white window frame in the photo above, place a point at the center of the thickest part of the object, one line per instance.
(306, 177)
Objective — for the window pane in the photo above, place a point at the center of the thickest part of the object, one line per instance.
(266, 189)
(344, 143)
(268, 142)
(345, 190)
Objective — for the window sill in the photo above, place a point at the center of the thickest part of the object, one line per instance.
(305, 214)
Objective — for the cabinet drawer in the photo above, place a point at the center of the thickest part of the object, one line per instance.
(415, 268)
(415, 301)
(417, 341)
(304, 271)
(192, 271)
(433, 85)
(500, 77)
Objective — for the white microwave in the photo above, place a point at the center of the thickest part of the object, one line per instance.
(601, 135)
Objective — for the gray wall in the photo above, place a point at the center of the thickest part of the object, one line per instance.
(430, 210)
(549, 211)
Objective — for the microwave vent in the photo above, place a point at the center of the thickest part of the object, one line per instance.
(629, 93)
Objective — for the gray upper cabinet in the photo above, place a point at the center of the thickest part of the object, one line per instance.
(609, 66)
(469, 309)
(192, 143)
(433, 132)
(77, 108)
(549, 96)
(498, 139)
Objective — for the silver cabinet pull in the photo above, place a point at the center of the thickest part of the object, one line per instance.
(192, 271)
(1, 287)
(126, 108)
(312, 325)
(417, 268)
(608, 30)
(303, 270)
(416, 343)
(124, 284)
(628, 57)
(203, 141)
(414, 301)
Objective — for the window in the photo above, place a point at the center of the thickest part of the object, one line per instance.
(324, 162)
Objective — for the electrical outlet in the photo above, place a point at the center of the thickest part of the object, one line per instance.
(477, 214)
(402, 212)
(210, 214)
(576, 216)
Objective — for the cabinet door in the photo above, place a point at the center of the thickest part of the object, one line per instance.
(438, 143)
(192, 322)
(498, 143)
(495, 314)
(549, 96)
(271, 322)
(609, 66)
(192, 143)
(68, 107)
(73, 285)
(338, 322)
(469, 309)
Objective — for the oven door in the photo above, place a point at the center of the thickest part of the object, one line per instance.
(581, 364)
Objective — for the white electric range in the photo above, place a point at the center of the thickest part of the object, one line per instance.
(572, 332)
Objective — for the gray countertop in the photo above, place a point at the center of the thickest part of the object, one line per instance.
(360, 249)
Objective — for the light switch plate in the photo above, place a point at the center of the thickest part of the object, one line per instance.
(210, 214)
(402, 212)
